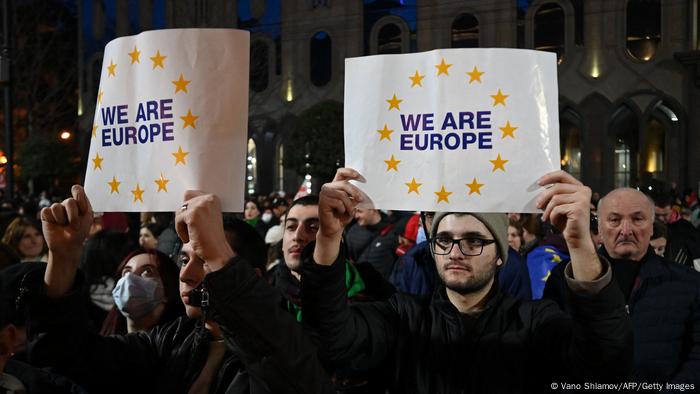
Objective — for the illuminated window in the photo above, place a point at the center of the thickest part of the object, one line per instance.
(643, 28)
(549, 29)
(259, 66)
(656, 146)
(320, 58)
(570, 141)
(389, 39)
(622, 164)
(280, 166)
(251, 172)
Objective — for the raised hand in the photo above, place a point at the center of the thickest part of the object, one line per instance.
(65, 226)
(200, 223)
(566, 204)
(336, 206)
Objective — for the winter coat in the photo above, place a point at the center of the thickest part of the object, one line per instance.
(665, 310)
(427, 346)
(267, 351)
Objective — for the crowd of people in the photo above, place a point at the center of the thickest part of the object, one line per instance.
(318, 294)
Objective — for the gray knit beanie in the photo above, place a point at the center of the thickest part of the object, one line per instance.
(497, 223)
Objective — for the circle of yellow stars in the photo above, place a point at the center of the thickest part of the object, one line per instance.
(158, 62)
(442, 69)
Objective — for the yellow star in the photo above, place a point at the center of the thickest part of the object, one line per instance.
(413, 186)
(162, 183)
(443, 195)
(443, 67)
(97, 161)
(499, 164)
(111, 69)
(508, 130)
(416, 79)
(392, 164)
(181, 84)
(189, 120)
(475, 75)
(475, 187)
(114, 185)
(499, 98)
(180, 155)
(158, 60)
(135, 56)
(394, 103)
(385, 133)
(99, 96)
(138, 193)
(94, 130)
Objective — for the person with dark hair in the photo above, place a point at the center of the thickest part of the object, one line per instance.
(234, 338)
(102, 254)
(148, 236)
(362, 281)
(470, 337)
(24, 235)
(145, 295)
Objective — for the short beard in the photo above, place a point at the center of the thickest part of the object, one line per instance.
(479, 282)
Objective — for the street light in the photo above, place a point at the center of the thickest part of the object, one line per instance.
(65, 135)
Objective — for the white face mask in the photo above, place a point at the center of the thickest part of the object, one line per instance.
(136, 296)
(266, 217)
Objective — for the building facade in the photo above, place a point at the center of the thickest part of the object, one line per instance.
(629, 70)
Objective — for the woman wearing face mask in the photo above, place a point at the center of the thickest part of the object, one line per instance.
(146, 293)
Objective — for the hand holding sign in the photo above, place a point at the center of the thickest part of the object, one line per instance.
(336, 206)
(171, 115)
(452, 129)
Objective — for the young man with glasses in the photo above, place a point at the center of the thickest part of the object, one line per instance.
(469, 336)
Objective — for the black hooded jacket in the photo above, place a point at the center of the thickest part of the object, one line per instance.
(428, 346)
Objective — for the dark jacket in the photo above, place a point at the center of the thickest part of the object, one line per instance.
(37, 380)
(665, 310)
(414, 273)
(429, 347)
(374, 244)
(266, 349)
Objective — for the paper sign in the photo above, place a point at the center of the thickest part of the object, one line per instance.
(452, 129)
(171, 115)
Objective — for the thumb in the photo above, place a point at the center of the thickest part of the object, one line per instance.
(84, 206)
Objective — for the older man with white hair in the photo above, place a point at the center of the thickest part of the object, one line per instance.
(662, 297)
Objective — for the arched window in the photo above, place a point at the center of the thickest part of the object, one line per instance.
(465, 32)
(251, 172)
(643, 28)
(625, 137)
(655, 148)
(570, 144)
(320, 58)
(259, 66)
(549, 29)
(622, 165)
(389, 39)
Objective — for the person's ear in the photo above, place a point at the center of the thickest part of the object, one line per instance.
(258, 272)
(499, 262)
(8, 337)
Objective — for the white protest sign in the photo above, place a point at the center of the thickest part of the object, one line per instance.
(452, 129)
(171, 115)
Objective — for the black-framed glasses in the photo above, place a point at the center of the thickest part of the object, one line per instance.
(468, 246)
